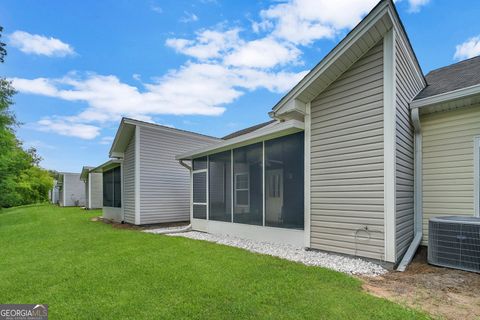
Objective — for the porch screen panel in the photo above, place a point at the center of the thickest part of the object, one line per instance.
(284, 182)
(117, 187)
(247, 185)
(220, 186)
(200, 195)
(108, 188)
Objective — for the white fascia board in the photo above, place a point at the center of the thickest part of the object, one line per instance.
(332, 56)
(447, 96)
(115, 140)
(269, 132)
(389, 152)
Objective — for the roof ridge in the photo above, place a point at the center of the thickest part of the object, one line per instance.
(169, 128)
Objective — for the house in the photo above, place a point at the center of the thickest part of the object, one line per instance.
(340, 167)
(143, 183)
(93, 188)
(70, 189)
(53, 194)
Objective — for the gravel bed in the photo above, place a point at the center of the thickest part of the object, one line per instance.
(165, 229)
(352, 266)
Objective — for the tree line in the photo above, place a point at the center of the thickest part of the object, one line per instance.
(22, 180)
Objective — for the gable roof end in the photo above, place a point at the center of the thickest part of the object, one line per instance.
(358, 41)
(126, 131)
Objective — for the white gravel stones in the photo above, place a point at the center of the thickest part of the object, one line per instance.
(353, 266)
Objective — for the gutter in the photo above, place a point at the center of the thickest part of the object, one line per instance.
(185, 165)
(418, 196)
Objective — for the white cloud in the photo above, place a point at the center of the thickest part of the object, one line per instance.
(156, 8)
(193, 89)
(188, 17)
(208, 44)
(106, 140)
(415, 5)
(468, 49)
(304, 21)
(67, 128)
(263, 53)
(41, 45)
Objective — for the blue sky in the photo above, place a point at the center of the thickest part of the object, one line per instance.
(207, 66)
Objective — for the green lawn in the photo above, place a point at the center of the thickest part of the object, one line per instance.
(89, 270)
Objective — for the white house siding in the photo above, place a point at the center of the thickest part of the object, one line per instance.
(74, 189)
(164, 183)
(448, 169)
(128, 192)
(347, 161)
(96, 192)
(407, 87)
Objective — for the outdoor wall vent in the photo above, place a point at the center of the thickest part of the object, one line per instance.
(454, 242)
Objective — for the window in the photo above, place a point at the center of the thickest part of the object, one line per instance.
(112, 188)
(242, 183)
(200, 191)
(284, 182)
(220, 186)
(248, 195)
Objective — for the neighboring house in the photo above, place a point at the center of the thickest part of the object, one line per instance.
(71, 190)
(53, 194)
(93, 188)
(143, 183)
(341, 167)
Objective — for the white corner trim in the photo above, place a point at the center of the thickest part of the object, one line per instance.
(307, 144)
(389, 129)
(137, 175)
(476, 178)
(89, 191)
(264, 201)
(64, 190)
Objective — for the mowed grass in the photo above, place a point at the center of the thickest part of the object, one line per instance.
(89, 270)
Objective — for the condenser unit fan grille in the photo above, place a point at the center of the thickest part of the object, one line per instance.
(454, 242)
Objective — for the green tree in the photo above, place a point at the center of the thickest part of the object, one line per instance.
(22, 181)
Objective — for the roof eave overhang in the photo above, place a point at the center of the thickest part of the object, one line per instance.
(110, 164)
(266, 133)
(84, 173)
(449, 100)
(118, 144)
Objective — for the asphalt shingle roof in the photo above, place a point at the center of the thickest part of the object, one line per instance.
(456, 76)
(247, 130)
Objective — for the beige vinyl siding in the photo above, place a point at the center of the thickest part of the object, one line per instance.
(347, 161)
(407, 87)
(448, 169)
(96, 200)
(164, 183)
(128, 193)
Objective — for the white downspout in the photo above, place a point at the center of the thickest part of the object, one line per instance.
(417, 198)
